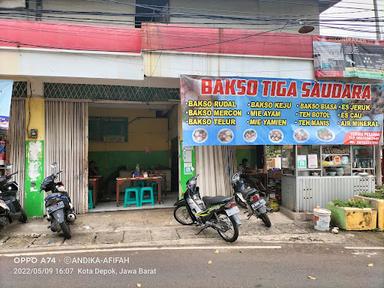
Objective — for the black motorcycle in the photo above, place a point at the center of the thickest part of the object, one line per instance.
(59, 208)
(220, 213)
(250, 199)
(9, 193)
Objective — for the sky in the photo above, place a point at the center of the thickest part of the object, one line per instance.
(348, 9)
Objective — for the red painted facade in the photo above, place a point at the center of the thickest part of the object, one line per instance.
(226, 41)
(152, 37)
(36, 34)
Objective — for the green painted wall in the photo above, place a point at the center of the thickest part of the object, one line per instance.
(186, 171)
(34, 176)
(108, 162)
(248, 153)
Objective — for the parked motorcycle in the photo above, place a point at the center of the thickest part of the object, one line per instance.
(59, 208)
(220, 213)
(250, 199)
(9, 193)
(5, 217)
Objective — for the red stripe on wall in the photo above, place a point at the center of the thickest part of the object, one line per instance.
(35, 34)
(152, 37)
(226, 41)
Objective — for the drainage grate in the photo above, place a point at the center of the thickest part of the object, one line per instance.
(109, 92)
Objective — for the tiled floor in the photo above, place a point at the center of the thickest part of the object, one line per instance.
(167, 202)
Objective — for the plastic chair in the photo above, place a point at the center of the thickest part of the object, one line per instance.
(150, 198)
(154, 187)
(90, 199)
(129, 200)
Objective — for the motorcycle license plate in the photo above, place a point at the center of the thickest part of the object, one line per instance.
(259, 203)
(232, 211)
(55, 207)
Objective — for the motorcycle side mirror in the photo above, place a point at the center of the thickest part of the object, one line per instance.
(53, 167)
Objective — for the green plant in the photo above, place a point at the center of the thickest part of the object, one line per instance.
(380, 189)
(376, 195)
(355, 203)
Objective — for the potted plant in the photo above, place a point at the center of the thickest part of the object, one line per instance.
(376, 200)
(354, 214)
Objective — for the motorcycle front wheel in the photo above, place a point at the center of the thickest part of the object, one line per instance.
(182, 215)
(23, 216)
(66, 230)
(264, 217)
(230, 230)
(240, 203)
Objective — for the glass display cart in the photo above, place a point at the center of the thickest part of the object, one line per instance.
(313, 175)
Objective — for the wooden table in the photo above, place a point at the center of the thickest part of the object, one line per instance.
(121, 181)
(94, 182)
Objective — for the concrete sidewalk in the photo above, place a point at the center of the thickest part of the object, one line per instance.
(157, 227)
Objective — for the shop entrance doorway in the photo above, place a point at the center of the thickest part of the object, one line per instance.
(133, 156)
(261, 166)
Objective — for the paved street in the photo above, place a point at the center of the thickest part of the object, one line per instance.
(158, 228)
(292, 265)
(149, 249)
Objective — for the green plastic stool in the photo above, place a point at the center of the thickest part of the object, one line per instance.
(129, 200)
(150, 199)
(154, 187)
(90, 199)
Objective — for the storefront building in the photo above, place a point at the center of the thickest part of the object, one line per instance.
(105, 101)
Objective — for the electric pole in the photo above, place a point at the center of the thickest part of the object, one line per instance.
(379, 148)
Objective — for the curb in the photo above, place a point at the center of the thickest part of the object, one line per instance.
(312, 238)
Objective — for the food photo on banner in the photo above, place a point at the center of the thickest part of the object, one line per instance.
(274, 111)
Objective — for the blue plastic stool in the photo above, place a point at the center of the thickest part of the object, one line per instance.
(150, 198)
(90, 199)
(129, 200)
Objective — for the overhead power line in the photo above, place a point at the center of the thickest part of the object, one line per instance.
(216, 11)
(51, 14)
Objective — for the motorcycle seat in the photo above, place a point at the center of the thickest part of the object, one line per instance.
(216, 200)
(249, 191)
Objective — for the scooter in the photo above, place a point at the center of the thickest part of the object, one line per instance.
(9, 193)
(250, 199)
(59, 209)
(220, 213)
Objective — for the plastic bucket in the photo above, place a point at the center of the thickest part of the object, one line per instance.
(321, 219)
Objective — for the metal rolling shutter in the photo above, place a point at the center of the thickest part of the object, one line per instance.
(16, 140)
(66, 125)
(215, 165)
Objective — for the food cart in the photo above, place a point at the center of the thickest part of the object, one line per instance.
(313, 175)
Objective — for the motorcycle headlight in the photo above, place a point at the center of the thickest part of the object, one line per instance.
(51, 202)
